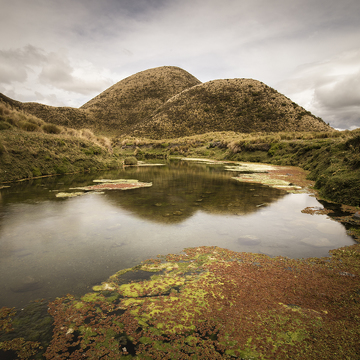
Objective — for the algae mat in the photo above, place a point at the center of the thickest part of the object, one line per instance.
(288, 178)
(212, 303)
(105, 184)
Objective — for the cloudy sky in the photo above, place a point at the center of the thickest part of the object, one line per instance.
(63, 53)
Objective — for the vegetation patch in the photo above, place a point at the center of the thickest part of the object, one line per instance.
(213, 303)
(120, 184)
(130, 161)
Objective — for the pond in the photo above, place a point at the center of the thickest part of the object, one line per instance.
(52, 246)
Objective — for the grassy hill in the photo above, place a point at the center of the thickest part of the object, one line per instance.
(31, 147)
(241, 105)
(168, 102)
(134, 99)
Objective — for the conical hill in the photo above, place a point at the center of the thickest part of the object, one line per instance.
(240, 105)
(135, 98)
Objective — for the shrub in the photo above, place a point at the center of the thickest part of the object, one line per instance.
(4, 125)
(130, 161)
(36, 120)
(4, 110)
(28, 126)
(51, 129)
(2, 148)
(87, 134)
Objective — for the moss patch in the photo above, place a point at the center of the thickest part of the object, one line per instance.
(210, 302)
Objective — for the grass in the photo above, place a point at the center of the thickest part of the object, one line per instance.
(241, 105)
(30, 147)
(331, 158)
(130, 160)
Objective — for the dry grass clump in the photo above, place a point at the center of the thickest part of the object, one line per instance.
(101, 141)
(51, 129)
(130, 160)
(12, 118)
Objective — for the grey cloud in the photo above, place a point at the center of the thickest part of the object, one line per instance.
(56, 71)
(52, 68)
(15, 63)
(330, 89)
(343, 92)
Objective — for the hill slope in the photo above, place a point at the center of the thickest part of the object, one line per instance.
(168, 102)
(63, 116)
(135, 98)
(241, 105)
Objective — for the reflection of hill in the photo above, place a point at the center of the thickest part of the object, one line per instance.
(181, 189)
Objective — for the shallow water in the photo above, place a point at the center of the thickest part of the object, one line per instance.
(50, 247)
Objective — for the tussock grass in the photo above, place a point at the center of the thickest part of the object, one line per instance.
(51, 129)
(15, 119)
(130, 160)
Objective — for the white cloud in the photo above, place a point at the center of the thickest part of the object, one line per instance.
(58, 72)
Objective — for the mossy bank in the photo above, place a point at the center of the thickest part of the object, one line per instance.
(332, 159)
(25, 155)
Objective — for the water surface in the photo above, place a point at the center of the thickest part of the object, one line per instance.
(50, 247)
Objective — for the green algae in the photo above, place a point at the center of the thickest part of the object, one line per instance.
(152, 287)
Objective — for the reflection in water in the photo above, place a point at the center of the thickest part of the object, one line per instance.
(50, 247)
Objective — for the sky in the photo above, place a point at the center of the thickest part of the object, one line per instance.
(63, 53)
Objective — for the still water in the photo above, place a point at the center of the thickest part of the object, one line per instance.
(52, 246)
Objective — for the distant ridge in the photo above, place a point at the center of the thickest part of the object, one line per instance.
(168, 102)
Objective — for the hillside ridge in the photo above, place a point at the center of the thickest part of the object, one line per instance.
(169, 102)
(240, 105)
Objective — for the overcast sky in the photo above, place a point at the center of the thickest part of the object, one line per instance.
(63, 53)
